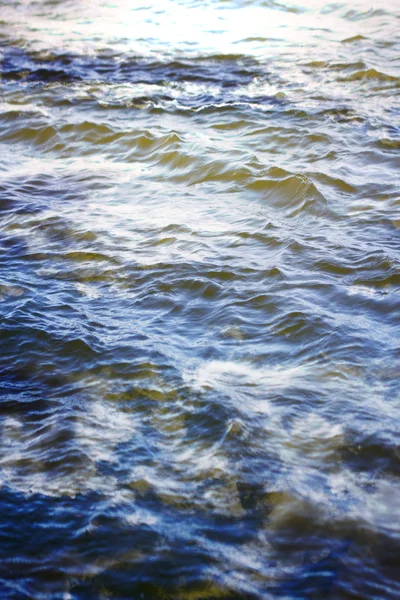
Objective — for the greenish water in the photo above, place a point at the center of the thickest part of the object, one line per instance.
(200, 304)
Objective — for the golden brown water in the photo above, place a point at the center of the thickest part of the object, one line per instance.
(199, 300)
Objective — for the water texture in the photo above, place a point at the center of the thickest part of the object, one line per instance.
(199, 286)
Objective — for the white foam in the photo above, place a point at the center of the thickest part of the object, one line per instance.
(315, 428)
(97, 433)
(103, 427)
(247, 386)
(87, 290)
(218, 373)
(141, 517)
(362, 290)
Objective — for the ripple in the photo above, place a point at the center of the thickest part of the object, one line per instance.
(369, 74)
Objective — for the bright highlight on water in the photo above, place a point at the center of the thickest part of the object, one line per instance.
(199, 297)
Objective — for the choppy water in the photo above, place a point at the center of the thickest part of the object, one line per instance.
(200, 301)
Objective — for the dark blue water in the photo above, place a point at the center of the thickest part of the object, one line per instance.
(199, 289)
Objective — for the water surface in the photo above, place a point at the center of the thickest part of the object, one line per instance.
(199, 294)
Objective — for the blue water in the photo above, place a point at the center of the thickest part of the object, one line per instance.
(199, 300)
